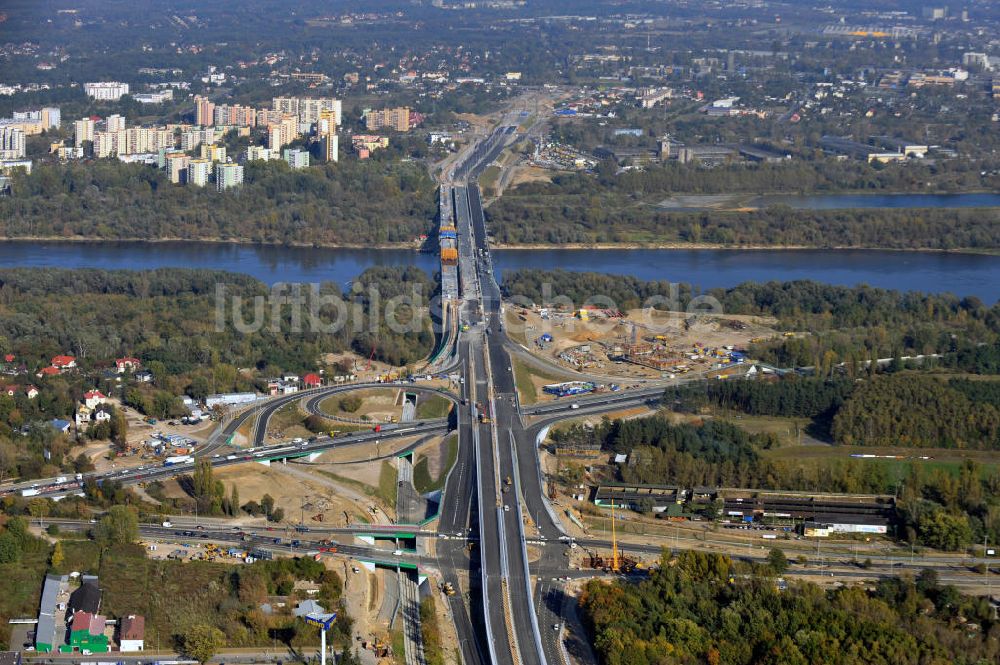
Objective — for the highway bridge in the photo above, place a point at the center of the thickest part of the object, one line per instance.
(494, 486)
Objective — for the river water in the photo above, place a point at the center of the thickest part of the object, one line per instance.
(845, 201)
(962, 274)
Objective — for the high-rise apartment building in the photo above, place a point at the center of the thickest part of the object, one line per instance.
(198, 171)
(297, 159)
(83, 130)
(394, 118)
(260, 153)
(308, 109)
(114, 123)
(329, 145)
(177, 163)
(204, 111)
(11, 143)
(213, 153)
(228, 175)
(106, 90)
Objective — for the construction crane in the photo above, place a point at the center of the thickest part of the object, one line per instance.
(371, 356)
(615, 559)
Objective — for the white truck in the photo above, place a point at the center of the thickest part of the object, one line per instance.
(178, 459)
(29, 492)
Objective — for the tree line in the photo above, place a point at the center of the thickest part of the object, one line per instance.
(704, 608)
(350, 203)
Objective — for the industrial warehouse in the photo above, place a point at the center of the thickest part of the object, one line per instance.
(817, 515)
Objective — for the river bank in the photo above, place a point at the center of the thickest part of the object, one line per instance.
(430, 248)
(962, 273)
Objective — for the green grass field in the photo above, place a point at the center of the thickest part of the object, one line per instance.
(525, 386)
(432, 406)
(422, 480)
(388, 479)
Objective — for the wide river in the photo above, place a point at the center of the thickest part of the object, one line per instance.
(963, 274)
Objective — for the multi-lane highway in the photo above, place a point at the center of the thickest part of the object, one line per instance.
(56, 487)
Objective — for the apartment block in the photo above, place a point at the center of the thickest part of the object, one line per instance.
(106, 90)
(198, 172)
(397, 119)
(297, 159)
(227, 176)
(11, 143)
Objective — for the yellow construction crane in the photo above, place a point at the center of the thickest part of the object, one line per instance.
(615, 559)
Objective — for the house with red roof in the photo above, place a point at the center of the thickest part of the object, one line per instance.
(64, 362)
(312, 381)
(9, 358)
(48, 371)
(31, 392)
(92, 398)
(11, 391)
(123, 365)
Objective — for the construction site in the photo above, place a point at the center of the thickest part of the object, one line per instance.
(642, 343)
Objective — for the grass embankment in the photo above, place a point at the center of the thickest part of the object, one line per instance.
(387, 481)
(398, 646)
(523, 375)
(430, 631)
(432, 406)
(422, 480)
(287, 422)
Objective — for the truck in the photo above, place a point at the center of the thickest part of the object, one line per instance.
(61, 479)
(377, 428)
(29, 492)
(177, 459)
(167, 524)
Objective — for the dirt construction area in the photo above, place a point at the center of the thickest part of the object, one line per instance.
(640, 344)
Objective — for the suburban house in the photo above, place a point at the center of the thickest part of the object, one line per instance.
(87, 632)
(60, 424)
(131, 632)
(87, 416)
(143, 376)
(48, 371)
(31, 392)
(64, 362)
(123, 365)
(87, 598)
(92, 398)
(11, 391)
(312, 381)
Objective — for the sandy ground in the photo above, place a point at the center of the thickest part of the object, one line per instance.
(293, 491)
(525, 174)
(379, 404)
(674, 335)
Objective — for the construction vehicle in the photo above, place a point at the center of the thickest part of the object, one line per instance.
(448, 589)
(507, 483)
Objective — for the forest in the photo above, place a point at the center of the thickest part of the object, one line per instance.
(348, 203)
(705, 608)
(904, 408)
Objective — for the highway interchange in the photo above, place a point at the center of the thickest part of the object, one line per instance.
(513, 610)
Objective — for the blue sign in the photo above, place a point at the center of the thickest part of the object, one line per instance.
(324, 621)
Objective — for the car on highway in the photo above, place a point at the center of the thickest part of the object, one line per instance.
(397, 553)
(574, 406)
